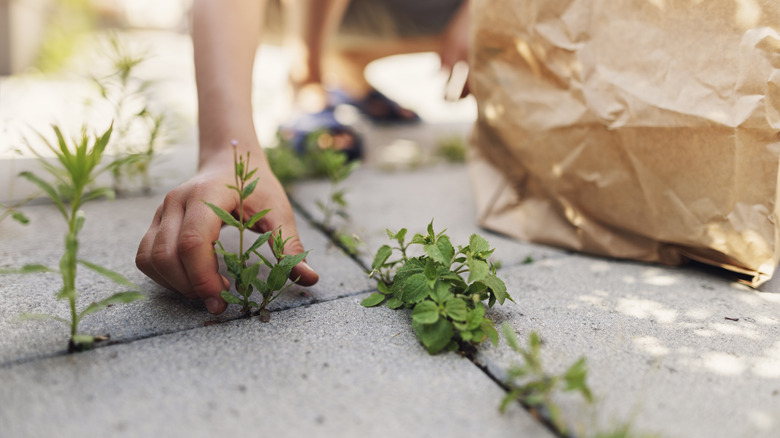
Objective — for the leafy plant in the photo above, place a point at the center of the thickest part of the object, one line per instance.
(288, 165)
(138, 129)
(337, 169)
(74, 172)
(447, 305)
(244, 273)
(12, 211)
(452, 149)
(533, 387)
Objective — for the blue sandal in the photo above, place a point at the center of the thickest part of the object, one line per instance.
(322, 129)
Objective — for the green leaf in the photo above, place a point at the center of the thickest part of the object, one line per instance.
(491, 331)
(256, 217)
(48, 189)
(441, 292)
(248, 274)
(278, 277)
(42, 317)
(497, 286)
(382, 287)
(475, 317)
(381, 257)
(81, 218)
(575, 379)
(441, 251)
(415, 289)
(226, 217)
(260, 241)
(18, 216)
(248, 189)
(456, 309)
(113, 276)
(106, 192)
(261, 286)
(118, 298)
(230, 298)
(374, 299)
(478, 269)
(394, 303)
(478, 244)
(411, 267)
(510, 336)
(511, 396)
(399, 237)
(431, 273)
(27, 269)
(434, 336)
(426, 312)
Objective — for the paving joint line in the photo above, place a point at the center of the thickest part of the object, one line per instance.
(126, 341)
(329, 234)
(493, 372)
(498, 375)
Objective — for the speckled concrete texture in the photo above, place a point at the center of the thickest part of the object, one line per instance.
(110, 238)
(331, 369)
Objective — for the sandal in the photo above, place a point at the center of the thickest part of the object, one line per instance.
(379, 108)
(323, 130)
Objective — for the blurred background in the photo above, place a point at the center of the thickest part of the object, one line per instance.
(86, 63)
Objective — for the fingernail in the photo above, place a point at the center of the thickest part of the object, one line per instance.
(305, 265)
(213, 305)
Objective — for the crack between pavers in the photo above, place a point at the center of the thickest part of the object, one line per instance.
(297, 206)
(491, 370)
(126, 341)
(498, 375)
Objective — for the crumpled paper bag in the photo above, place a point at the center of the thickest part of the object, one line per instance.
(647, 130)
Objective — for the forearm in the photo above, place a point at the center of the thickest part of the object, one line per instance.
(225, 36)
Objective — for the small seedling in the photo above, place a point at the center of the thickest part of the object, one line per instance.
(138, 129)
(533, 387)
(245, 274)
(74, 172)
(337, 169)
(447, 304)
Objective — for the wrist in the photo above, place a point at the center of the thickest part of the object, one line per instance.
(220, 155)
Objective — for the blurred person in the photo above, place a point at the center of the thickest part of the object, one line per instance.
(177, 251)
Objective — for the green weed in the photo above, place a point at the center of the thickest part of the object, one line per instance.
(447, 305)
(139, 130)
(534, 388)
(74, 171)
(245, 275)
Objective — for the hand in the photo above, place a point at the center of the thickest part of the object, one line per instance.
(177, 251)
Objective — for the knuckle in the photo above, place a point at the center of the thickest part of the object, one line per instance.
(190, 241)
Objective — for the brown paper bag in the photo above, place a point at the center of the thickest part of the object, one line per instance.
(635, 129)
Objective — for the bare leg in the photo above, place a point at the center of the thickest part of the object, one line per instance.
(310, 24)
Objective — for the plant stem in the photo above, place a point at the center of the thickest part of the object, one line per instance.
(68, 271)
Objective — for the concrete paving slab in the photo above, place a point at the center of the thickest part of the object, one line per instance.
(683, 352)
(110, 238)
(380, 200)
(330, 369)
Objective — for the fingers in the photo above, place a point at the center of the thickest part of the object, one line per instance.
(177, 251)
(199, 230)
(143, 258)
(281, 217)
